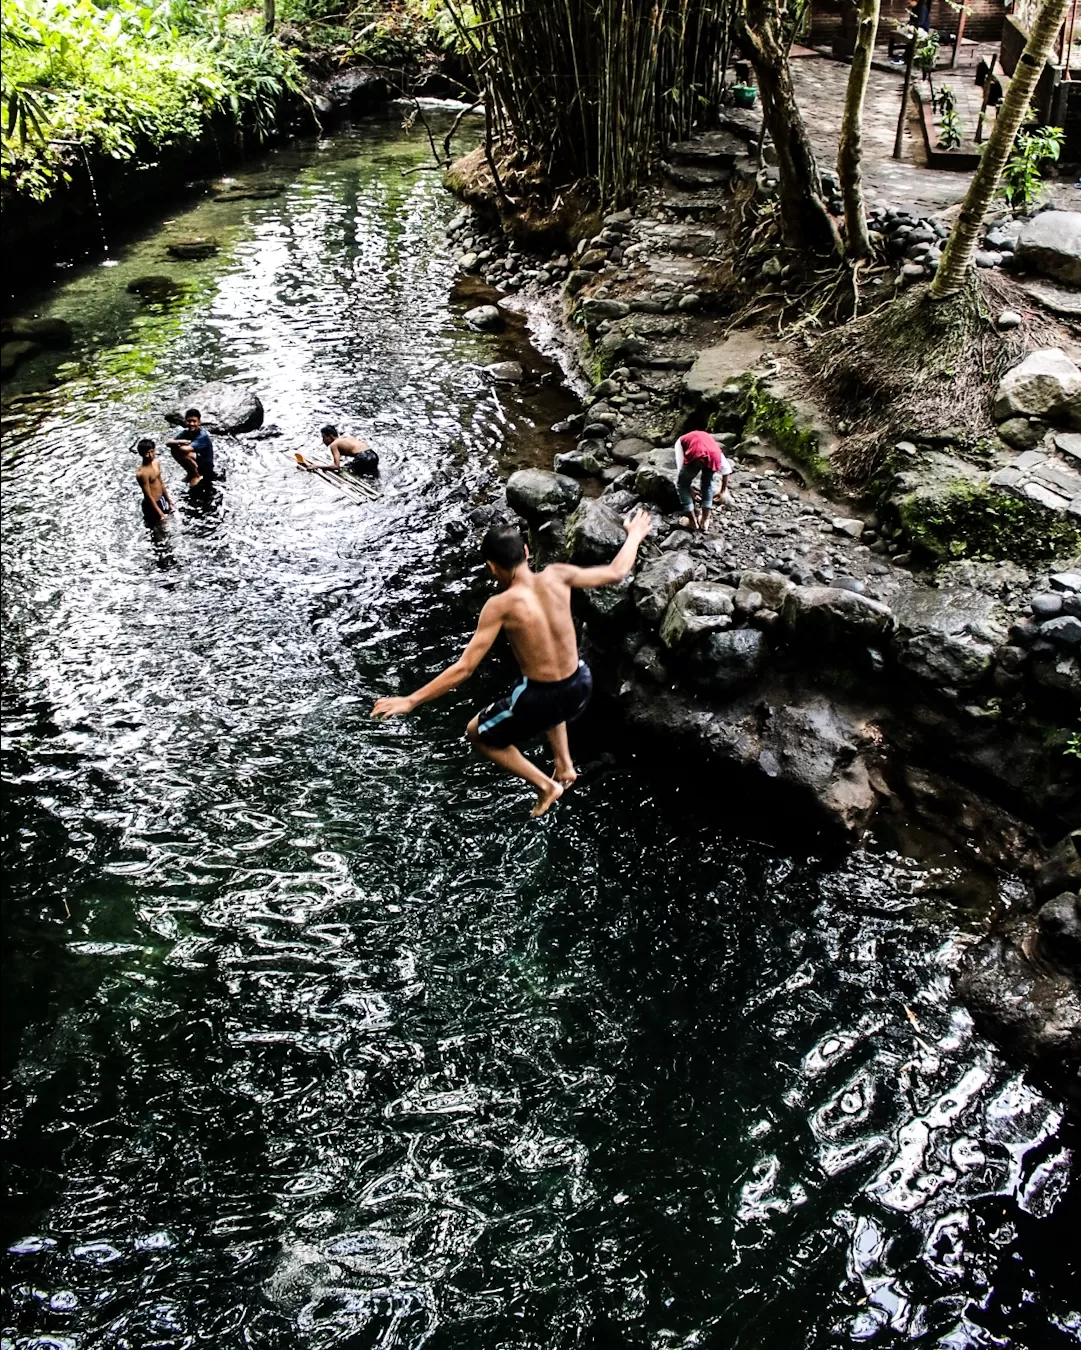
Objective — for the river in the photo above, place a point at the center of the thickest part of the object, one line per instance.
(312, 1037)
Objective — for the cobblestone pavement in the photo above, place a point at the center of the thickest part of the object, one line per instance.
(820, 90)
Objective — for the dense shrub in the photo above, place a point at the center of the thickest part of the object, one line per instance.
(126, 79)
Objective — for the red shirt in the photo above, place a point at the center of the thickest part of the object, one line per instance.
(699, 447)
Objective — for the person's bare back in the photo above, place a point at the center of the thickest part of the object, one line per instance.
(534, 611)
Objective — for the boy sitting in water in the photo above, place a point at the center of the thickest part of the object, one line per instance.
(362, 458)
(194, 450)
(157, 504)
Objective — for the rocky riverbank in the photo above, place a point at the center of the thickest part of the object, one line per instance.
(908, 656)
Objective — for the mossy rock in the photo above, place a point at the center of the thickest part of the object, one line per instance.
(192, 250)
(790, 423)
(970, 519)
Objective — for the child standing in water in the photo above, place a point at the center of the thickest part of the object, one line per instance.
(156, 501)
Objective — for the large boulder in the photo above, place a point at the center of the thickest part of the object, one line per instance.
(538, 495)
(1047, 384)
(1059, 925)
(632, 450)
(773, 587)
(655, 480)
(606, 604)
(716, 367)
(225, 407)
(658, 581)
(723, 663)
(830, 614)
(595, 534)
(1051, 243)
(947, 635)
(698, 608)
(505, 372)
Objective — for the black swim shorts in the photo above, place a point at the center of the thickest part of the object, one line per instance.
(534, 707)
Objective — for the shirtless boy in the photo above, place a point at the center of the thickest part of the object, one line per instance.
(362, 458)
(157, 503)
(534, 610)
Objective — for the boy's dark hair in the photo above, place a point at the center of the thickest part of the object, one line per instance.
(193, 412)
(330, 431)
(504, 546)
(145, 444)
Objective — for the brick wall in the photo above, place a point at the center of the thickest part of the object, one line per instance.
(829, 18)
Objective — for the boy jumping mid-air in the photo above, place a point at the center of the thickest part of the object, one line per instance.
(534, 610)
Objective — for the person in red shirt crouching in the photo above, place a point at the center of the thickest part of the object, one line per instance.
(699, 456)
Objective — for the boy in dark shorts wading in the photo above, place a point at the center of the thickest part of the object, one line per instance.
(534, 610)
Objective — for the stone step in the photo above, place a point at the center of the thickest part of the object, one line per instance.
(704, 202)
(693, 176)
(746, 123)
(711, 150)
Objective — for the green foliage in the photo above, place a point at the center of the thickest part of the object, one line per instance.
(773, 417)
(1022, 177)
(971, 521)
(1073, 745)
(126, 78)
(926, 52)
(949, 121)
(386, 32)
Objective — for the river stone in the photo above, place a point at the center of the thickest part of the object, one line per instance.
(46, 332)
(723, 663)
(1059, 924)
(248, 192)
(700, 607)
(538, 494)
(1051, 243)
(1047, 605)
(593, 258)
(13, 354)
(773, 587)
(1058, 670)
(578, 280)
(594, 310)
(1064, 631)
(484, 318)
(658, 581)
(505, 372)
(1060, 869)
(655, 480)
(631, 449)
(578, 463)
(158, 288)
(1023, 433)
(1046, 384)
(605, 604)
(225, 408)
(827, 613)
(595, 534)
(192, 250)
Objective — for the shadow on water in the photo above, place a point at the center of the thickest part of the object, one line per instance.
(314, 1038)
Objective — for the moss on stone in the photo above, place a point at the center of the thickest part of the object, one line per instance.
(975, 521)
(770, 415)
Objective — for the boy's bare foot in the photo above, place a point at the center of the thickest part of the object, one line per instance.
(194, 482)
(566, 774)
(688, 523)
(546, 797)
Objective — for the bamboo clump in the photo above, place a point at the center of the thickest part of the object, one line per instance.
(591, 90)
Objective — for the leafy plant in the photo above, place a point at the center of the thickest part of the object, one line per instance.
(926, 55)
(1022, 177)
(949, 121)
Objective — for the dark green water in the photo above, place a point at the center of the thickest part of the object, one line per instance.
(313, 1038)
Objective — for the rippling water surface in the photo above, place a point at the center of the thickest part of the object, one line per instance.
(313, 1038)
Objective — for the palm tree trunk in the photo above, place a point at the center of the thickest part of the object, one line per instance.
(957, 257)
(850, 150)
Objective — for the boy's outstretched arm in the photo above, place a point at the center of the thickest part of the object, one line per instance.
(581, 578)
(488, 626)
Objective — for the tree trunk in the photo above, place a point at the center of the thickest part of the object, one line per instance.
(957, 256)
(906, 89)
(269, 16)
(850, 150)
(804, 219)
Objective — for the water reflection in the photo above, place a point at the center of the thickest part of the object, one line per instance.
(314, 1038)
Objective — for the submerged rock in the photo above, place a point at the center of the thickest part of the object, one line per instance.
(224, 407)
(45, 332)
(484, 318)
(192, 250)
(505, 372)
(158, 288)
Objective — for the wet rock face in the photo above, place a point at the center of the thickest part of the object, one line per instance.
(1059, 925)
(1030, 1007)
(595, 533)
(537, 494)
(726, 662)
(224, 408)
(699, 608)
(831, 614)
(658, 581)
